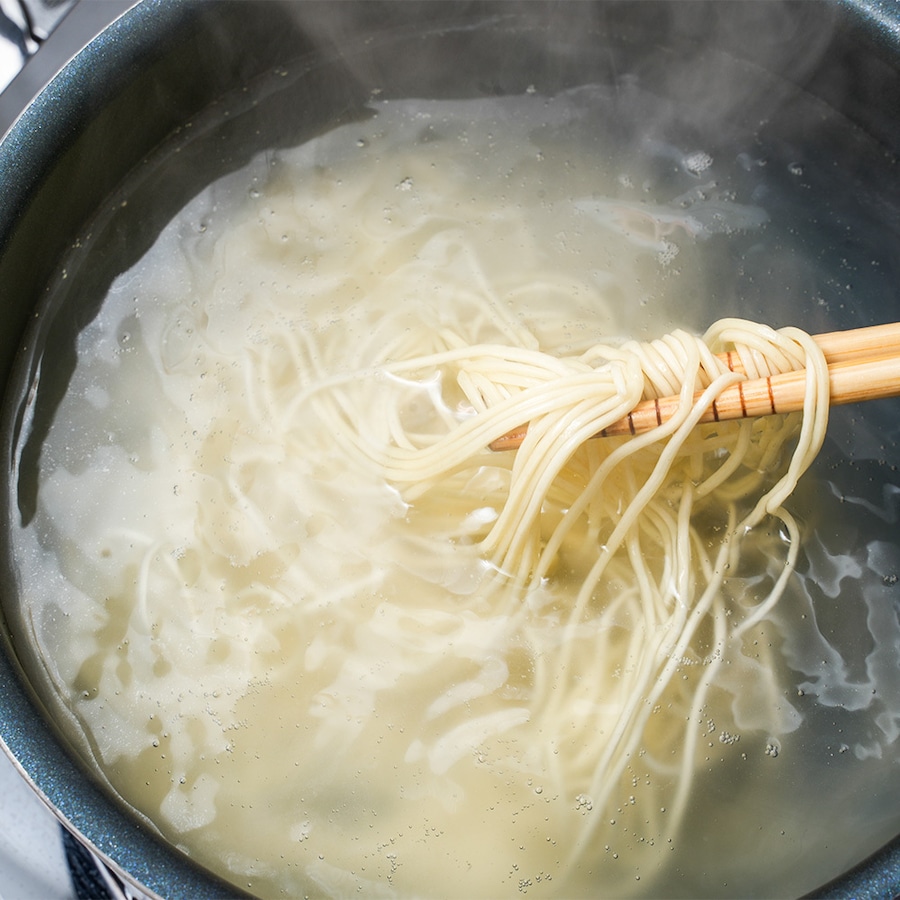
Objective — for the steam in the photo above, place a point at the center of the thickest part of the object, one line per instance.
(722, 67)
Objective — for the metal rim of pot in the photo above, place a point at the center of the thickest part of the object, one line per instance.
(30, 158)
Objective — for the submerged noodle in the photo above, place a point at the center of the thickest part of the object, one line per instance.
(620, 501)
(314, 629)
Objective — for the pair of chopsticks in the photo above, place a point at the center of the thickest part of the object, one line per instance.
(863, 364)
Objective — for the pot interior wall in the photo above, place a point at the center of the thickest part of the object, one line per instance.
(160, 104)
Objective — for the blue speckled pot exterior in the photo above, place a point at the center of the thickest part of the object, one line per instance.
(162, 38)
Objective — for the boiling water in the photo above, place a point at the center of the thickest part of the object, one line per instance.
(315, 697)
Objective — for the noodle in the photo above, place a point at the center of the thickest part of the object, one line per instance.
(566, 406)
(311, 627)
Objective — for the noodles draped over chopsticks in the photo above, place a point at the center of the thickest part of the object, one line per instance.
(627, 509)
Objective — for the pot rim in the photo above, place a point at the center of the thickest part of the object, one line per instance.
(129, 848)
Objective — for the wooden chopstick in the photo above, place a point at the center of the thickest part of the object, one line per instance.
(863, 364)
(844, 346)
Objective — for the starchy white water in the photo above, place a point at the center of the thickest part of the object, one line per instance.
(308, 679)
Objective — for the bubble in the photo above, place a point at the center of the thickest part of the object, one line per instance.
(584, 803)
(697, 162)
(668, 253)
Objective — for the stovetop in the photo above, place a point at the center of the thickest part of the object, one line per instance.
(37, 860)
(32, 859)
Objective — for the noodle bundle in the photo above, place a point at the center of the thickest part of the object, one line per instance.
(616, 505)
(302, 619)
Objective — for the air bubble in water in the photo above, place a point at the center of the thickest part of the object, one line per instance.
(584, 803)
(697, 162)
(668, 253)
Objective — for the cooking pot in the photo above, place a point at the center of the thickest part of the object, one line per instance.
(810, 90)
